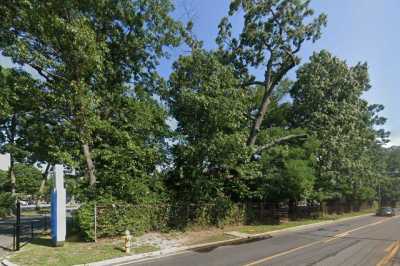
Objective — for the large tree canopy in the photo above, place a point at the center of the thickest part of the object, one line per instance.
(327, 101)
(85, 51)
(95, 101)
(272, 35)
(20, 94)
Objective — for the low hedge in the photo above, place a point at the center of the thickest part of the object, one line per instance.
(114, 217)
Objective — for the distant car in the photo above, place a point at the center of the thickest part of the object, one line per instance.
(385, 211)
(23, 202)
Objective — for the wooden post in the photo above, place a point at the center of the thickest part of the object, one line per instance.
(18, 227)
(95, 223)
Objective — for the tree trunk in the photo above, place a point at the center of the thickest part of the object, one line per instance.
(292, 211)
(44, 178)
(12, 175)
(89, 164)
(11, 140)
(260, 116)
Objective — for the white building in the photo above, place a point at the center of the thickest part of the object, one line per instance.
(4, 161)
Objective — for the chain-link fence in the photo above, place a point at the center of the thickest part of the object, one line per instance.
(112, 219)
(105, 220)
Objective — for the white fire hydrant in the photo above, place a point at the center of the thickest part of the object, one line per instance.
(128, 241)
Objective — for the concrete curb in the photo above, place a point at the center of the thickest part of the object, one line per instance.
(173, 251)
(199, 247)
(7, 263)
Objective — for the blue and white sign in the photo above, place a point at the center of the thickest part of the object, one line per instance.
(58, 210)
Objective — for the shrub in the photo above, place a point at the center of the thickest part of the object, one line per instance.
(7, 204)
(220, 212)
(114, 217)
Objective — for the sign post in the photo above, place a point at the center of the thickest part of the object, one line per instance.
(58, 210)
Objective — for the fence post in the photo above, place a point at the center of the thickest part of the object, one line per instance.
(18, 226)
(45, 222)
(14, 242)
(32, 233)
(95, 223)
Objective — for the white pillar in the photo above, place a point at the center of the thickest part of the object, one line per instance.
(58, 209)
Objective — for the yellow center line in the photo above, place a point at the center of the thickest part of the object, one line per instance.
(352, 230)
(392, 249)
(325, 240)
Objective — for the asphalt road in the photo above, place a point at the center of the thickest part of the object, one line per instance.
(365, 241)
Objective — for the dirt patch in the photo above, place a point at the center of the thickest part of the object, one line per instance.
(194, 237)
(163, 241)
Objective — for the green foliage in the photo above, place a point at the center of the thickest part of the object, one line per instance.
(211, 111)
(20, 92)
(28, 179)
(114, 217)
(392, 155)
(272, 35)
(327, 101)
(101, 107)
(4, 181)
(388, 183)
(211, 159)
(7, 204)
(87, 54)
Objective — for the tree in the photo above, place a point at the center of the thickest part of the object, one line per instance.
(388, 163)
(18, 92)
(211, 158)
(327, 102)
(85, 51)
(393, 161)
(273, 34)
(28, 179)
(130, 146)
(212, 115)
(288, 174)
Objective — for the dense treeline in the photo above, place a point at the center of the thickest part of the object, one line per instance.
(97, 104)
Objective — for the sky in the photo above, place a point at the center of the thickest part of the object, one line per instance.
(357, 30)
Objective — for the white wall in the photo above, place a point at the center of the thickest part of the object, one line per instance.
(4, 161)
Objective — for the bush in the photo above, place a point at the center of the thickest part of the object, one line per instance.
(7, 204)
(219, 212)
(114, 217)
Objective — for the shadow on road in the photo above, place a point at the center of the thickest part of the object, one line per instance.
(239, 242)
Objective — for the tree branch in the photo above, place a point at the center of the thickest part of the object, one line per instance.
(255, 82)
(45, 74)
(264, 103)
(278, 141)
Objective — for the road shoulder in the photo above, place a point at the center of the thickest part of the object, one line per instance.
(238, 240)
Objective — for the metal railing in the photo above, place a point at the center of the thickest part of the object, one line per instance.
(20, 230)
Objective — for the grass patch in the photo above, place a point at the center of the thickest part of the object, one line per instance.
(145, 249)
(41, 252)
(264, 228)
(349, 214)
